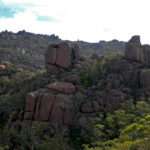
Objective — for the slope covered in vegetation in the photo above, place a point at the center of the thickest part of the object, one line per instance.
(110, 104)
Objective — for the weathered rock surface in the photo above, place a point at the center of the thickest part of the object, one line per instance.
(109, 100)
(61, 55)
(146, 55)
(63, 87)
(135, 51)
(145, 78)
(65, 100)
(43, 105)
(55, 102)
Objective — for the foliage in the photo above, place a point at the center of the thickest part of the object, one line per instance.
(125, 129)
(97, 70)
(15, 83)
(33, 138)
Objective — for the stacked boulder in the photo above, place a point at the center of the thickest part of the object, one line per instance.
(54, 103)
(61, 56)
(137, 52)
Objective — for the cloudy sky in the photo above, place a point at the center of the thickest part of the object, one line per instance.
(89, 20)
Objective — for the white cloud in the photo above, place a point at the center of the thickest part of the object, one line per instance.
(90, 20)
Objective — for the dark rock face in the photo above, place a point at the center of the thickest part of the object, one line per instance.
(145, 78)
(146, 55)
(109, 100)
(43, 105)
(137, 52)
(61, 56)
(145, 81)
(134, 49)
(135, 40)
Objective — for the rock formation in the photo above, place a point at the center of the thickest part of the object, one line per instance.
(60, 56)
(65, 97)
(44, 105)
(135, 51)
(145, 81)
(54, 103)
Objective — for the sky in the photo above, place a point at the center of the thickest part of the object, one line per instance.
(88, 20)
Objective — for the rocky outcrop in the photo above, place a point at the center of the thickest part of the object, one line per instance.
(43, 105)
(146, 55)
(57, 102)
(145, 78)
(108, 100)
(135, 51)
(65, 101)
(60, 56)
(54, 103)
(145, 82)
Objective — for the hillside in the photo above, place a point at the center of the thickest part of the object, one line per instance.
(101, 48)
(27, 49)
(76, 103)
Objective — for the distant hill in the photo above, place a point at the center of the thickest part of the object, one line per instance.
(27, 49)
(102, 47)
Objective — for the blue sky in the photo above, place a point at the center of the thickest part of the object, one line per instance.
(45, 18)
(89, 20)
(9, 10)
